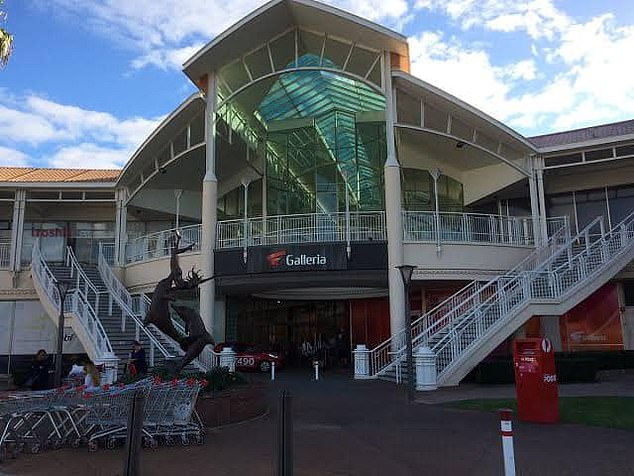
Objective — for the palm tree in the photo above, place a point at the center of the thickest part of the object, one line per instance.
(6, 39)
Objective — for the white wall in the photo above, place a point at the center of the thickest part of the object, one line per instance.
(462, 261)
(25, 328)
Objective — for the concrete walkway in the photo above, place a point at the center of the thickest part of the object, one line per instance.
(618, 383)
(342, 427)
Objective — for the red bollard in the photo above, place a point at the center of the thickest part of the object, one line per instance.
(506, 430)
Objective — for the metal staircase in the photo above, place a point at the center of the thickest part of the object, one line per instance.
(466, 327)
(78, 311)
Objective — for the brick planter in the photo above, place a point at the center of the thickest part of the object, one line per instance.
(232, 406)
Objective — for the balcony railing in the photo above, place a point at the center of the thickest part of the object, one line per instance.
(446, 227)
(5, 255)
(308, 228)
(158, 245)
(341, 227)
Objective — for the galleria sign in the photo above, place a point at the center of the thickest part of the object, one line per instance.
(282, 256)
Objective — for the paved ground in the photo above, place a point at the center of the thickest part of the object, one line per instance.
(619, 383)
(342, 427)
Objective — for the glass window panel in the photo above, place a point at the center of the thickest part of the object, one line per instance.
(563, 159)
(408, 108)
(180, 142)
(197, 130)
(283, 51)
(599, 154)
(234, 75)
(561, 205)
(435, 118)
(621, 203)
(310, 43)
(625, 150)
(336, 52)
(361, 61)
(259, 62)
(590, 205)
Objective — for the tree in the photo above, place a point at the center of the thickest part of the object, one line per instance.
(6, 39)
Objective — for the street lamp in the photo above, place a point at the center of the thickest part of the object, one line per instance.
(406, 274)
(62, 288)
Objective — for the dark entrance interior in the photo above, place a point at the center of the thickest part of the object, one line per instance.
(298, 330)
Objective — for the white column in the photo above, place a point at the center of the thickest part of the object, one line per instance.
(17, 229)
(542, 197)
(393, 212)
(121, 228)
(532, 186)
(209, 209)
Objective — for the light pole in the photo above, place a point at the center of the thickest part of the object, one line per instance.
(62, 289)
(406, 273)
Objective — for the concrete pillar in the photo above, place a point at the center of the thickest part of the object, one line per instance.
(532, 186)
(393, 212)
(121, 228)
(17, 230)
(550, 330)
(209, 210)
(228, 359)
(542, 197)
(361, 356)
(426, 374)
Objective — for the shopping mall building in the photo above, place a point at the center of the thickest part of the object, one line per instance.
(308, 167)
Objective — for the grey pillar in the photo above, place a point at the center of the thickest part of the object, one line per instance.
(121, 225)
(393, 212)
(209, 209)
(17, 230)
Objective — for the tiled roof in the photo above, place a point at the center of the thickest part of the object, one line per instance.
(604, 131)
(30, 174)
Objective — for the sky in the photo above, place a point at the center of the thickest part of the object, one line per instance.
(90, 79)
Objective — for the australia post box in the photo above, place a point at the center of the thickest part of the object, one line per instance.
(536, 380)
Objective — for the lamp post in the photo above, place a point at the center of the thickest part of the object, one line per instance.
(406, 274)
(62, 288)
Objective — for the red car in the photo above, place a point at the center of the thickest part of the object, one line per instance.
(251, 357)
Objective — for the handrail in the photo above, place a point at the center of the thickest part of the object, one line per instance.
(544, 283)
(120, 294)
(392, 348)
(78, 304)
(158, 244)
(76, 270)
(5, 255)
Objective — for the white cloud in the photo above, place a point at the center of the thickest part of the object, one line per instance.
(538, 18)
(165, 33)
(34, 121)
(13, 158)
(87, 155)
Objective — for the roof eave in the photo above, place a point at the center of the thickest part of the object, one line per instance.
(468, 107)
(584, 144)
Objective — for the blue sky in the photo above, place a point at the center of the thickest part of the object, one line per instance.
(90, 79)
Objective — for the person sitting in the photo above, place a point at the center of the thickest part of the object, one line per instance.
(92, 381)
(136, 363)
(40, 371)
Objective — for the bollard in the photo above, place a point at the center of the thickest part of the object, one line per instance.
(506, 430)
(272, 371)
(134, 435)
(316, 366)
(285, 436)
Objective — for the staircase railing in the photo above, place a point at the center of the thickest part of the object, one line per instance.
(119, 294)
(76, 303)
(137, 306)
(392, 350)
(543, 284)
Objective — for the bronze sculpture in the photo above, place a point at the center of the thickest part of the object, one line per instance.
(165, 292)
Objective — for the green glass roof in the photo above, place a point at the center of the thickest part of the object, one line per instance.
(311, 93)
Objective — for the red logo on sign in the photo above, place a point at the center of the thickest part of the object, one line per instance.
(273, 259)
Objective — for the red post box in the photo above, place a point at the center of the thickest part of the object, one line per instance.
(536, 380)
